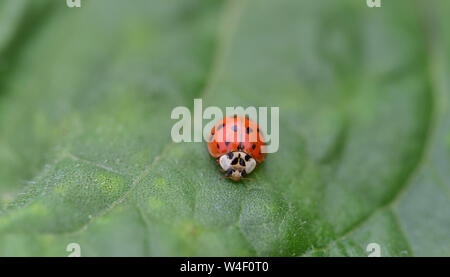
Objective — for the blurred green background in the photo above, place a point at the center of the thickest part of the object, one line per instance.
(85, 149)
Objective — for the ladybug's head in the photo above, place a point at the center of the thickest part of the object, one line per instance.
(237, 165)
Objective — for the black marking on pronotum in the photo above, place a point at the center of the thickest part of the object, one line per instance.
(220, 126)
(235, 116)
(253, 146)
(235, 161)
(248, 130)
(234, 128)
(230, 155)
(227, 143)
(243, 173)
(241, 146)
(247, 157)
(241, 162)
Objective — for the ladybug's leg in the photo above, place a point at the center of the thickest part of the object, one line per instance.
(224, 177)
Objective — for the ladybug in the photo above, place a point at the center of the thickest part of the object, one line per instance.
(236, 144)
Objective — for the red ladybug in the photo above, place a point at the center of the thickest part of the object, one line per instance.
(236, 144)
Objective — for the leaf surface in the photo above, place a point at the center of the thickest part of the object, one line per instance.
(86, 154)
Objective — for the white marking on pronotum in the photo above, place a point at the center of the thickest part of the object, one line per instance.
(250, 165)
(225, 162)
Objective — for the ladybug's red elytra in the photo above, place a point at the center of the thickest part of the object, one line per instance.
(236, 144)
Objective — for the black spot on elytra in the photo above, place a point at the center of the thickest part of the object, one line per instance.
(220, 126)
(253, 146)
(248, 130)
(227, 143)
(229, 172)
(235, 161)
(234, 128)
(230, 155)
(241, 162)
(218, 146)
(247, 157)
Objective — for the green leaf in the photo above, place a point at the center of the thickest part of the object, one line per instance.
(86, 154)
